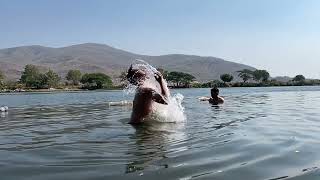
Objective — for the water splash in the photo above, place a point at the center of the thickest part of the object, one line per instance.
(148, 69)
(173, 112)
(143, 64)
(130, 89)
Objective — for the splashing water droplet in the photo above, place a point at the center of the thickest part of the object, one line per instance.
(130, 89)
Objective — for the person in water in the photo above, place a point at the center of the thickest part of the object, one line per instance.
(215, 98)
(150, 90)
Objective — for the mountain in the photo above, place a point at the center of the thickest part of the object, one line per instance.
(91, 57)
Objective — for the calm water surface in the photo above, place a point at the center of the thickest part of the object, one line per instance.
(259, 133)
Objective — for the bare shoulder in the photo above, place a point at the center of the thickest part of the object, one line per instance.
(221, 99)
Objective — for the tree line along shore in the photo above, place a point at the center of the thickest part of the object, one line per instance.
(33, 80)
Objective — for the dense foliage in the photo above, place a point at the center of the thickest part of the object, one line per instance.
(31, 77)
(51, 79)
(245, 74)
(257, 75)
(180, 79)
(226, 78)
(96, 81)
(74, 76)
(261, 75)
(299, 78)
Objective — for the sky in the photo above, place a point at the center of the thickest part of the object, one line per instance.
(281, 36)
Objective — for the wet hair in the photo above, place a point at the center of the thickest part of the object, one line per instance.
(215, 90)
(133, 76)
(130, 74)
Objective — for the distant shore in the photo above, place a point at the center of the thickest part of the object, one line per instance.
(53, 90)
(40, 90)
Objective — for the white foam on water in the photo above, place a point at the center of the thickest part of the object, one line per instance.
(173, 112)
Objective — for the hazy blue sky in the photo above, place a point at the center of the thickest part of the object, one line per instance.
(281, 36)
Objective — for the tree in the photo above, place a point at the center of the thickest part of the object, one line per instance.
(96, 80)
(31, 76)
(265, 75)
(259, 75)
(42, 81)
(299, 78)
(256, 75)
(180, 78)
(51, 79)
(187, 79)
(174, 77)
(226, 78)
(213, 83)
(245, 74)
(74, 76)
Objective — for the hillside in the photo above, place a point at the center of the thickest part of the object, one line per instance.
(92, 57)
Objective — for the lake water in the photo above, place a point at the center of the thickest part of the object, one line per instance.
(259, 133)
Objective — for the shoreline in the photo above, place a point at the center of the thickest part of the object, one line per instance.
(53, 91)
(117, 89)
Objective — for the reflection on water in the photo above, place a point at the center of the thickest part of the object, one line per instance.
(152, 144)
(259, 133)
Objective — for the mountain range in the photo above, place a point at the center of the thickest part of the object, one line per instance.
(91, 57)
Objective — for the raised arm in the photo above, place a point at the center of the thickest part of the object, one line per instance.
(164, 89)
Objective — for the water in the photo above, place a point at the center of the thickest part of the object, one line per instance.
(259, 133)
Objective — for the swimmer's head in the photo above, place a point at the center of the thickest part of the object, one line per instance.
(214, 92)
(136, 76)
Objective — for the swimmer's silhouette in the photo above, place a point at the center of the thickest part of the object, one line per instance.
(215, 99)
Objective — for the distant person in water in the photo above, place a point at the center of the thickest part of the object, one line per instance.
(215, 98)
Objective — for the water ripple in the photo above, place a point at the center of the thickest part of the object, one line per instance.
(257, 134)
